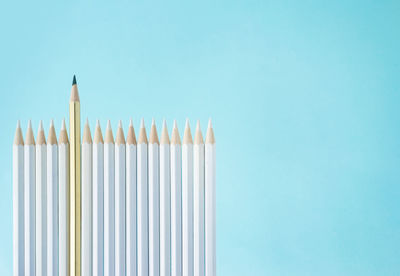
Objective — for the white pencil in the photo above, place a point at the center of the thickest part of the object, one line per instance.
(165, 204)
(120, 163)
(63, 196)
(210, 203)
(41, 203)
(131, 202)
(198, 203)
(109, 203)
(187, 202)
(154, 203)
(176, 203)
(52, 202)
(18, 202)
(98, 202)
(86, 257)
(30, 199)
(142, 205)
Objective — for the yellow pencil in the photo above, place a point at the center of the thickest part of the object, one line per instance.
(75, 178)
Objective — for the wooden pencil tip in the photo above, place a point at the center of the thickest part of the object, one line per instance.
(187, 135)
(98, 136)
(29, 124)
(198, 137)
(175, 125)
(51, 123)
(164, 124)
(175, 137)
(41, 140)
(209, 123)
(87, 136)
(120, 138)
(164, 133)
(18, 140)
(153, 123)
(52, 138)
(63, 125)
(153, 134)
(210, 138)
(130, 123)
(74, 93)
(131, 137)
(109, 133)
(108, 125)
(40, 125)
(120, 124)
(87, 121)
(74, 80)
(142, 123)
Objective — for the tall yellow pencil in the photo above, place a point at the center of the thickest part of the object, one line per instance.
(75, 178)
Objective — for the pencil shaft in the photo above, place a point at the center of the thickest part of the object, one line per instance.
(210, 210)
(120, 221)
(18, 209)
(75, 188)
(109, 209)
(41, 213)
(30, 209)
(165, 211)
(87, 209)
(187, 209)
(52, 209)
(142, 212)
(154, 210)
(98, 208)
(64, 218)
(131, 210)
(198, 209)
(176, 210)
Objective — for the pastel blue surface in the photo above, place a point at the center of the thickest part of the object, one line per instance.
(305, 102)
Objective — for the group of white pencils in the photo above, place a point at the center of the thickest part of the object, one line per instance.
(148, 206)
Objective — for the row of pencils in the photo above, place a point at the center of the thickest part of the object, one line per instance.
(148, 206)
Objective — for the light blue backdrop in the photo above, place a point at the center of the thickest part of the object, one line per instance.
(304, 96)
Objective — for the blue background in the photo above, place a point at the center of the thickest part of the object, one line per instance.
(304, 97)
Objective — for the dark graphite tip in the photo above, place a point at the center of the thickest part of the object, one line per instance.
(74, 80)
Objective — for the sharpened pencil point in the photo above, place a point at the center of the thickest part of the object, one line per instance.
(74, 80)
(164, 133)
(164, 124)
(87, 121)
(130, 123)
(187, 123)
(29, 124)
(175, 125)
(18, 140)
(51, 123)
(209, 123)
(18, 124)
(198, 125)
(153, 122)
(120, 124)
(108, 124)
(97, 123)
(63, 125)
(142, 123)
(187, 135)
(40, 125)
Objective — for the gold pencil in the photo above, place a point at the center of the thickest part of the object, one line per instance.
(75, 178)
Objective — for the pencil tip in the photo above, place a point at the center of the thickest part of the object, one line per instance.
(108, 124)
(63, 124)
(29, 124)
(120, 124)
(74, 80)
(52, 123)
(130, 123)
(40, 125)
(142, 123)
(97, 123)
(198, 125)
(164, 124)
(87, 121)
(187, 124)
(153, 122)
(209, 123)
(18, 124)
(175, 124)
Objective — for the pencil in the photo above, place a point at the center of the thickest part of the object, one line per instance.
(176, 202)
(131, 202)
(187, 202)
(30, 205)
(210, 203)
(120, 221)
(109, 203)
(154, 202)
(142, 205)
(165, 204)
(75, 181)
(198, 202)
(18, 202)
(52, 202)
(63, 196)
(98, 202)
(41, 203)
(87, 144)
